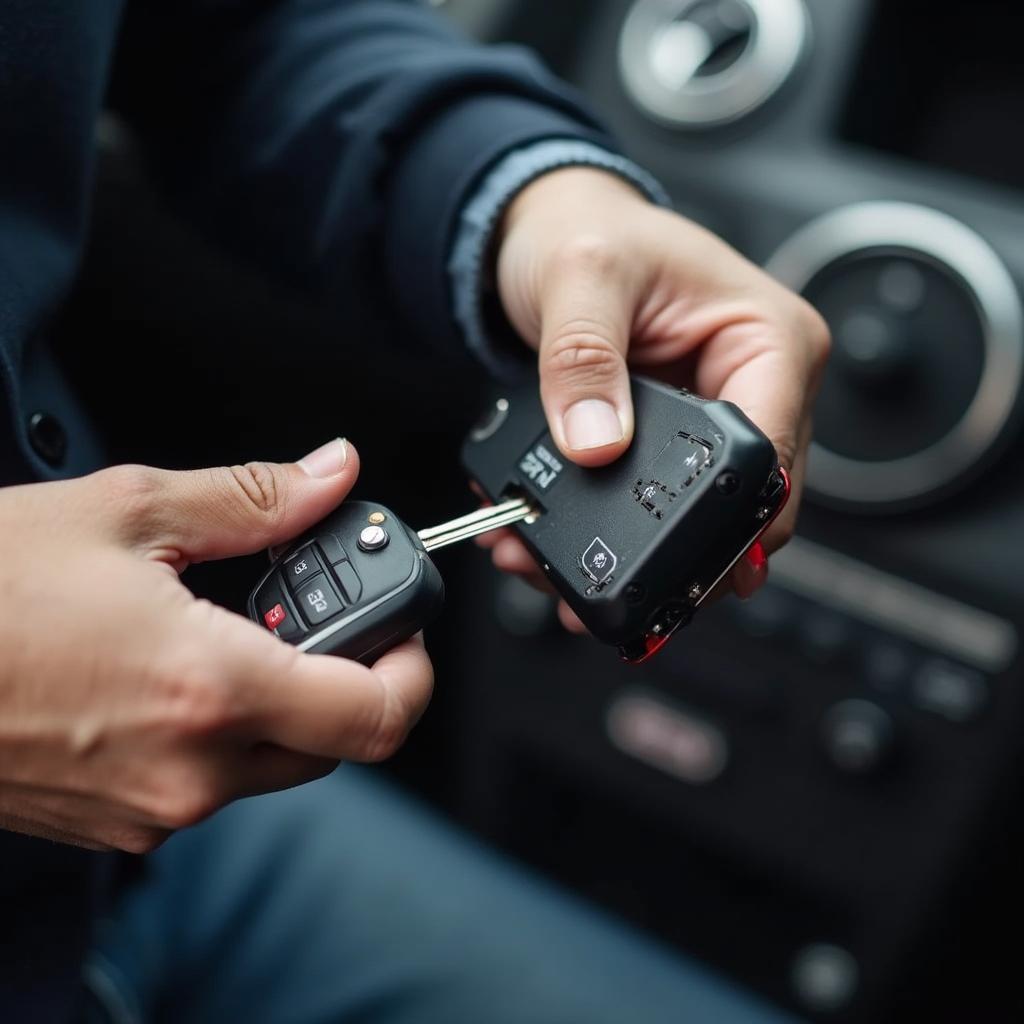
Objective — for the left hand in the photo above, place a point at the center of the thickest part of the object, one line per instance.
(596, 279)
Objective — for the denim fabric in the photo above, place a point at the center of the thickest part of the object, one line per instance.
(345, 901)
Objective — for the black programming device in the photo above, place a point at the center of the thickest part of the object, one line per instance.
(636, 546)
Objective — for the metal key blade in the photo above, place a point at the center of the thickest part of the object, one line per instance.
(482, 521)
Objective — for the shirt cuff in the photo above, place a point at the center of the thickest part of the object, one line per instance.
(485, 329)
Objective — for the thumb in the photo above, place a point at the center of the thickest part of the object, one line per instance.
(584, 382)
(235, 510)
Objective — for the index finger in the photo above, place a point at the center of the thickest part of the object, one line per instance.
(773, 377)
(773, 388)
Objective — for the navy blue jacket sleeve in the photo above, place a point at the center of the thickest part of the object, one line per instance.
(333, 141)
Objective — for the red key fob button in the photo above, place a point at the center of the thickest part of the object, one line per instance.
(275, 616)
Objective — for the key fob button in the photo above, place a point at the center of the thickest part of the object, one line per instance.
(275, 616)
(300, 567)
(331, 547)
(599, 561)
(317, 599)
(273, 610)
(397, 586)
(373, 538)
(349, 580)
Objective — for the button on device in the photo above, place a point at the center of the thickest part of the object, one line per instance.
(373, 538)
(272, 609)
(331, 547)
(351, 585)
(695, 461)
(599, 560)
(654, 496)
(680, 462)
(317, 599)
(275, 616)
(301, 566)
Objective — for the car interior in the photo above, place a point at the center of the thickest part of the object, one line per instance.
(817, 792)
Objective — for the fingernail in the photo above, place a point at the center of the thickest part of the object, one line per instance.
(327, 460)
(755, 556)
(591, 423)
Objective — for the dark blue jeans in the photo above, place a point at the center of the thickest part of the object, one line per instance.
(345, 901)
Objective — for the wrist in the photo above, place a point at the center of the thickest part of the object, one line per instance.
(479, 248)
(568, 192)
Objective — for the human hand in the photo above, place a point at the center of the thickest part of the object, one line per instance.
(128, 708)
(597, 279)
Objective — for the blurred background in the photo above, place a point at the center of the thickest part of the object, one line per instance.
(819, 792)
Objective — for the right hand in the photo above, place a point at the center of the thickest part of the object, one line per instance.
(128, 708)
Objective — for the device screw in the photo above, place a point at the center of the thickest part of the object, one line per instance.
(728, 482)
(695, 591)
(373, 538)
(634, 593)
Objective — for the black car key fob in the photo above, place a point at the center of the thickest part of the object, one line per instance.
(357, 584)
(634, 547)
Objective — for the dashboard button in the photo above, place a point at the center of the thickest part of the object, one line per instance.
(887, 666)
(824, 637)
(953, 691)
(858, 736)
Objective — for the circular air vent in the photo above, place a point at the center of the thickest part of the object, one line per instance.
(700, 63)
(928, 352)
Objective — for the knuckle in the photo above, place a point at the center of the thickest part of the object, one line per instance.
(137, 839)
(581, 355)
(196, 702)
(390, 730)
(186, 809)
(133, 490)
(385, 741)
(816, 330)
(258, 488)
(590, 253)
(183, 797)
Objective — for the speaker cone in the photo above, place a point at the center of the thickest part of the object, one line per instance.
(924, 384)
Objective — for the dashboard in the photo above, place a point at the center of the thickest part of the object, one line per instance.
(805, 789)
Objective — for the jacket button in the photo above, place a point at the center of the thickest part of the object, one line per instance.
(48, 437)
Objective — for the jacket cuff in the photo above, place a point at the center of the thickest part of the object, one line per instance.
(475, 305)
(437, 175)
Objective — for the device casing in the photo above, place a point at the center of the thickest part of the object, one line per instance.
(399, 588)
(634, 547)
